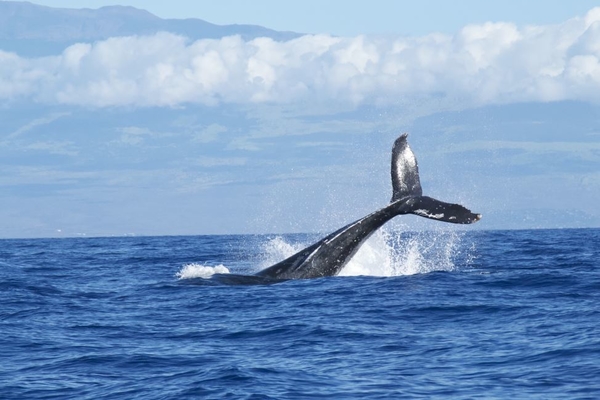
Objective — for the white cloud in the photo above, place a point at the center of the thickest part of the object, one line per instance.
(37, 122)
(480, 64)
(53, 147)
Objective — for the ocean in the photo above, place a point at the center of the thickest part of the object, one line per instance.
(441, 314)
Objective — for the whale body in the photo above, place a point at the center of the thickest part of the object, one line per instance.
(329, 256)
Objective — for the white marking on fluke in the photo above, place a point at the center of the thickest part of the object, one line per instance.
(424, 213)
(406, 162)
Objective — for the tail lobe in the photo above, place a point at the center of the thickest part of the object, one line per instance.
(407, 185)
(405, 171)
(431, 208)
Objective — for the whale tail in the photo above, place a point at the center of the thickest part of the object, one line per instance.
(406, 187)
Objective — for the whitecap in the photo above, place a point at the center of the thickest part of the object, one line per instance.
(195, 270)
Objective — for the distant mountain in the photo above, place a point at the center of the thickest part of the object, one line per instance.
(33, 30)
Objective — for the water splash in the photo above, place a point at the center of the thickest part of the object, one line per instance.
(277, 249)
(195, 270)
(372, 258)
(423, 252)
(394, 253)
(387, 253)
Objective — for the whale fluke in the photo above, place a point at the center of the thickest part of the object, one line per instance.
(406, 186)
(328, 256)
(431, 208)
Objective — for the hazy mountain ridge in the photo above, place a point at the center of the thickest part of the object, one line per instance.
(32, 30)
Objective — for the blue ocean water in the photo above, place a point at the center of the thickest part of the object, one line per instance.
(477, 314)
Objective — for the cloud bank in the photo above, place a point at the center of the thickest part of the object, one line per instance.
(481, 64)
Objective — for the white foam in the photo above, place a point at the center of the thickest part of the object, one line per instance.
(394, 254)
(372, 258)
(195, 270)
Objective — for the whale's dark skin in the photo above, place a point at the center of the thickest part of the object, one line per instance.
(329, 255)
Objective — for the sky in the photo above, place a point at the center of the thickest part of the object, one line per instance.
(160, 134)
(355, 17)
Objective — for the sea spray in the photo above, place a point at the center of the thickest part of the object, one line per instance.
(423, 252)
(195, 270)
(394, 253)
(373, 258)
(277, 249)
(388, 252)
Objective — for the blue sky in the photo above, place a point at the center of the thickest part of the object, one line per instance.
(354, 17)
(160, 134)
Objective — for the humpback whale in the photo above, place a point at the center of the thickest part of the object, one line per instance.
(329, 255)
